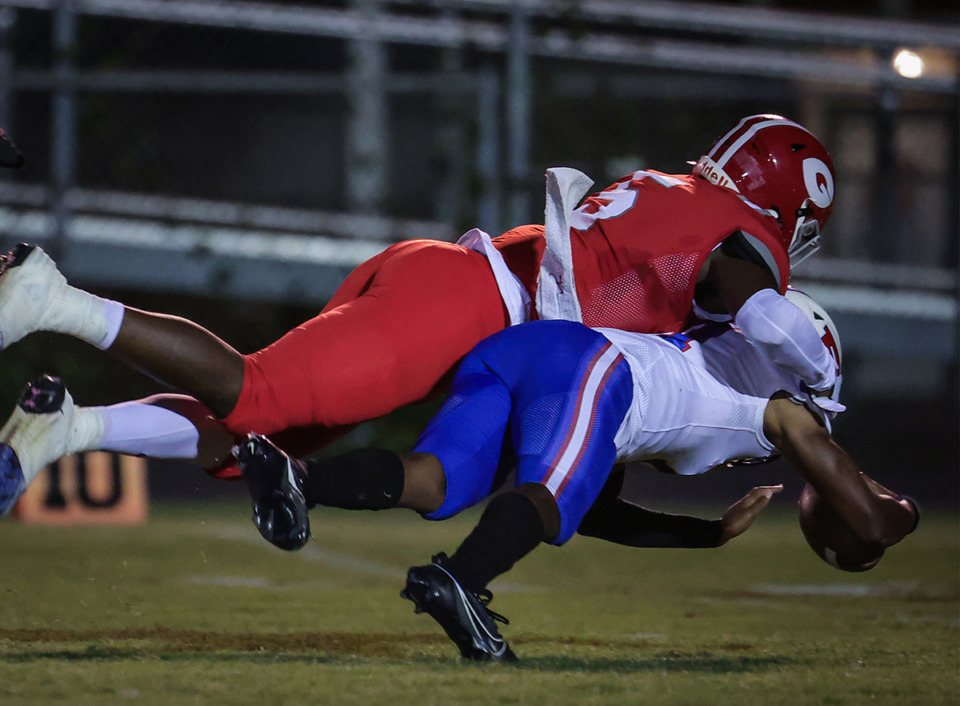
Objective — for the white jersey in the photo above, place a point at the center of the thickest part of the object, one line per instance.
(683, 415)
(734, 361)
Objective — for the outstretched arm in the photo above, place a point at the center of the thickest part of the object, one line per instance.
(874, 516)
(622, 522)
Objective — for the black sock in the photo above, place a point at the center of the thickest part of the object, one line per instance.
(364, 479)
(509, 529)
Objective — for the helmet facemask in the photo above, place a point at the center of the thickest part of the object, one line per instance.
(806, 236)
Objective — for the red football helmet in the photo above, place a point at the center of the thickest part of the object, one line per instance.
(780, 167)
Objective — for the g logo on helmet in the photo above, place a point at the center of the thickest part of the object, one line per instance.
(819, 181)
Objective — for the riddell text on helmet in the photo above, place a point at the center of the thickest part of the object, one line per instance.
(709, 170)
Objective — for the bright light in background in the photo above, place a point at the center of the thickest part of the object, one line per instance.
(908, 63)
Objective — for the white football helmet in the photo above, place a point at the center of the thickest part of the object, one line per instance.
(825, 327)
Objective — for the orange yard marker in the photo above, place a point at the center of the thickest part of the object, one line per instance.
(91, 488)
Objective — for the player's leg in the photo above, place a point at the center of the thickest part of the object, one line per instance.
(425, 307)
(568, 394)
(454, 465)
(567, 386)
(283, 489)
(468, 437)
(190, 358)
(46, 424)
(35, 296)
(181, 354)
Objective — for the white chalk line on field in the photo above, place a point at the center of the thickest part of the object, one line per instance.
(313, 552)
(853, 590)
(231, 581)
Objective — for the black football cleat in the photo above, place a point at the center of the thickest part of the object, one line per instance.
(279, 508)
(463, 615)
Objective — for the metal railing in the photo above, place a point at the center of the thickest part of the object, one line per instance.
(212, 239)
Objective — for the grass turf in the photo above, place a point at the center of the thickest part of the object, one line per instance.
(192, 607)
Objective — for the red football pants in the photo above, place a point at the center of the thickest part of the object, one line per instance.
(393, 329)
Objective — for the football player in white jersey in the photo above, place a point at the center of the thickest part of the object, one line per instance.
(561, 404)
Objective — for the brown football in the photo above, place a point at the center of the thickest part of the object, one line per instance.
(831, 538)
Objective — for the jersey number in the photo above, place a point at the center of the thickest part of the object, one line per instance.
(615, 200)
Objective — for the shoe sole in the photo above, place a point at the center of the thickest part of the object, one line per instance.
(16, 256)
(43, 396)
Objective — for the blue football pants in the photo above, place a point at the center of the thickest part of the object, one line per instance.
(549, 394)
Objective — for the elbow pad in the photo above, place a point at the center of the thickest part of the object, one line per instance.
(788, 338)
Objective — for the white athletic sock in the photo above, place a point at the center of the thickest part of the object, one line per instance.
(86, 430)
(113, 312)
(142, 429)
(88, 317)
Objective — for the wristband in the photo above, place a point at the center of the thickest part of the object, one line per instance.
(916, 511)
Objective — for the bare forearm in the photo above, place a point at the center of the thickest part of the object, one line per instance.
(873, 517)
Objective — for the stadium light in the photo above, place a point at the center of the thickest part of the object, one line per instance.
(908, 63)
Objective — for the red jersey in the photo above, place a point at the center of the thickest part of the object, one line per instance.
(639, 245)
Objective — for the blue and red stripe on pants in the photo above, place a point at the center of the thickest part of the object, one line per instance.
(552, 394)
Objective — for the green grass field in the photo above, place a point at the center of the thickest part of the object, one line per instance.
(192, 607)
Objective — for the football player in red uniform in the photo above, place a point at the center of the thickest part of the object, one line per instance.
(647, 255)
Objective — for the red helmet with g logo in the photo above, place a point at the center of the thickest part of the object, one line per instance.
(780, 167)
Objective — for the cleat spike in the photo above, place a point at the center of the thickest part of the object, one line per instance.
(42, 396)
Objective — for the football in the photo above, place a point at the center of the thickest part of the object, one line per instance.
(831, 538)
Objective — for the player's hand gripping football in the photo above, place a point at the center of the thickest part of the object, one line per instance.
(904, 500)
(739, 516)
